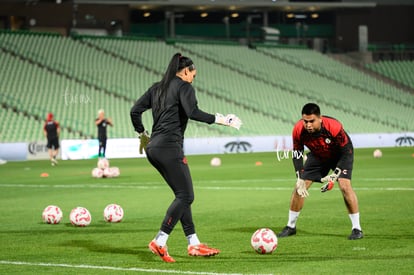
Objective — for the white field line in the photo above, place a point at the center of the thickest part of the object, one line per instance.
(137, 269)
(220, 185)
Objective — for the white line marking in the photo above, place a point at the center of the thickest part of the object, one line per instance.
(386, 179)
(161, 186)
(117, 268)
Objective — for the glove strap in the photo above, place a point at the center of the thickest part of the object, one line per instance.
(337, 171)
(298, 174)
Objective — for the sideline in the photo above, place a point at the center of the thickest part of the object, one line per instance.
(138, 269)
(158, 185)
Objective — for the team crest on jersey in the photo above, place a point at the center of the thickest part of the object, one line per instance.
(327, 141)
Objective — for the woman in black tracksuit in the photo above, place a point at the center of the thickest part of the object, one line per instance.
(173, 103)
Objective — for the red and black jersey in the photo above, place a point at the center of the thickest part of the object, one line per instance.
(51, 127)
(330, 143)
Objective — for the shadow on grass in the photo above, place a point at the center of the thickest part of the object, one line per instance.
(98, 247)
(99, 227)
(142, 253)
(300, 232)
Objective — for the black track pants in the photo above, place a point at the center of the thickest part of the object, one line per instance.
(172, 165)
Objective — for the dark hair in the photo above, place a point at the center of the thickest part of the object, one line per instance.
(311, 109)
(177, 63)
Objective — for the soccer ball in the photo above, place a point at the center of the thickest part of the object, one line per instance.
(377, 153)
(215, 162)
(113, 213)
(107, 173)
(111, 172)
(115, 172)
(97, 173)
(264, 241)
(80, 216)
(52, 214)
(103, 163)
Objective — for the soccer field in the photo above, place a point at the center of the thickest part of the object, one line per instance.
(231, 202)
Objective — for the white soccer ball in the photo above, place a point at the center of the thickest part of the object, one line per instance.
(377, 153)
(115, 171)
(103, 163)
(97, 173)
(113, 213)
(107, 173)
(80, 216)
(215, 162)
(264, 241)
(52, 214)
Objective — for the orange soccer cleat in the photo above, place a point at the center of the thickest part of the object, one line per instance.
(161, 251)
(202, 250)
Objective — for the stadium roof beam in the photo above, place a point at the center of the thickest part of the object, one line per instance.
(282, 5)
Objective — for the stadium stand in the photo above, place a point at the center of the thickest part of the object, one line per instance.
(281, 69)
(73, 77)
(401, 71)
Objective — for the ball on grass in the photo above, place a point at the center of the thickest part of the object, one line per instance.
(115, 172)
(52, 214)
(377, 153)
(113, 213)
(103, 163)
(80, 216)
(215, 162)
(264, 241)
(97, 173)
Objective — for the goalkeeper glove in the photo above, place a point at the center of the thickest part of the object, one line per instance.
(301, 187)
(228, 120)
(144, 139)
(330, 180)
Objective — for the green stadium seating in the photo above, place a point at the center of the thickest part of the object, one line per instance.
(266, 87)
(401, 71)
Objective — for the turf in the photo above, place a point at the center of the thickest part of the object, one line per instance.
(231, 202)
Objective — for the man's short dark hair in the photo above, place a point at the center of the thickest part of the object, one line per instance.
(311, 109)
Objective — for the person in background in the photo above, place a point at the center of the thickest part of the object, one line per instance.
(51, 130)
(102, 122)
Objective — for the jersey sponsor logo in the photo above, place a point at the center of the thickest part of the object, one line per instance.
(327, 141)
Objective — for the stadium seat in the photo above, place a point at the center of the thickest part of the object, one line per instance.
(266, 87)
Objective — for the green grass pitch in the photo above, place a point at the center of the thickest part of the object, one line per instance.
(231, 202)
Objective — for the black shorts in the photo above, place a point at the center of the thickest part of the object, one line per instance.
(53, 143)
(314, 169)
